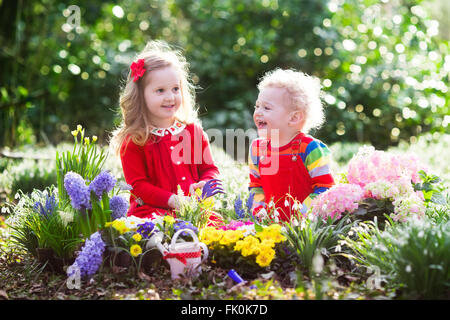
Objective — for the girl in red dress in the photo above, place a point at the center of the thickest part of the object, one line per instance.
(160, 141)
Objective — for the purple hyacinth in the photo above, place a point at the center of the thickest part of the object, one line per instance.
(240, 213)
(103, 183)
(77, 190)
(119, 207)
(184, 225)
(90, 257)
(48, 208)
(249, 203)
(145, 229)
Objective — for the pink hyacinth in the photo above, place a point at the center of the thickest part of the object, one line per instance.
(370, 165)
(338, 199)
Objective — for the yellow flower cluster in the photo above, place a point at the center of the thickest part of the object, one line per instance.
(261, 246)
(119, 225)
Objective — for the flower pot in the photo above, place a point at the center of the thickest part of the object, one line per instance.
(53, 263)
(120, 259)
(151, 260)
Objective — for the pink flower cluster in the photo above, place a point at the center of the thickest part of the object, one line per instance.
(378, 175)
(405, 206)
(370, 165)
(337, 200)
(383, 189)
(234, 225)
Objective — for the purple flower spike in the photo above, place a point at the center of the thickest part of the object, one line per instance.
(249, 203)
(90, 257)
(103, 183)
(77, 190)
(119, 207)
(238, 208)
(211, 188)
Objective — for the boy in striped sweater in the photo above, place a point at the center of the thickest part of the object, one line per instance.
(285, 162)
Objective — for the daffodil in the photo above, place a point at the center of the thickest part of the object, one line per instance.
(120, 226)
(207, 203)
(169, 219)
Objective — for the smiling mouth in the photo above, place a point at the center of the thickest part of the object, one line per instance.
(170, 106)
(260, 124)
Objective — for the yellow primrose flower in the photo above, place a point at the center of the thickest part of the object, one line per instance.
(137, 237)
(209, 235)
(264, 258)
(86, 140)
(135, 250)
(74, 133)
(94, 138)
(268, 243)
(231, 236)
(79, 127)
(265, 234)
(278, 237)
(249, 250)
(169, 219)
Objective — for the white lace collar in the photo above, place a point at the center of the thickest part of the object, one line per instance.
(174, 129)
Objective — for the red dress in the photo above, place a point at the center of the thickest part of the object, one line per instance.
(180, 155)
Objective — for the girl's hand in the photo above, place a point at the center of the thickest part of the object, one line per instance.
(195, 186)
(174, 202)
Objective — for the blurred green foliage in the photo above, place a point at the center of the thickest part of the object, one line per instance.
(383, 65)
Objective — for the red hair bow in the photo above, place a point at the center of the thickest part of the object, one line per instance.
(137, 69)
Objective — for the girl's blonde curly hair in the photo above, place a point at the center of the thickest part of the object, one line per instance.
(136, 120)
(304, 92)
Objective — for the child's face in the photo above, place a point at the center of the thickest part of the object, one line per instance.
(162, 94)
(272, 112)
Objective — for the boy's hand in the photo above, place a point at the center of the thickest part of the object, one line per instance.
(195, 186)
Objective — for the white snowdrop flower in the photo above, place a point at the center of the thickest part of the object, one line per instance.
(317, 262)
(295, 206)
(286, 203)
(294, 222)
(338, 248)
(66, 217)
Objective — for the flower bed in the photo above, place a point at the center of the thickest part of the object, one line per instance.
(80, 227)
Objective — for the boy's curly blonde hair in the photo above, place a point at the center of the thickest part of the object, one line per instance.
(136, 119)
(304, 92)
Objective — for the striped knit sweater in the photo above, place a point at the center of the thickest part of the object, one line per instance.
(304, 171)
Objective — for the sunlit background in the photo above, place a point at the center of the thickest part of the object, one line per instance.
(384, 65)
